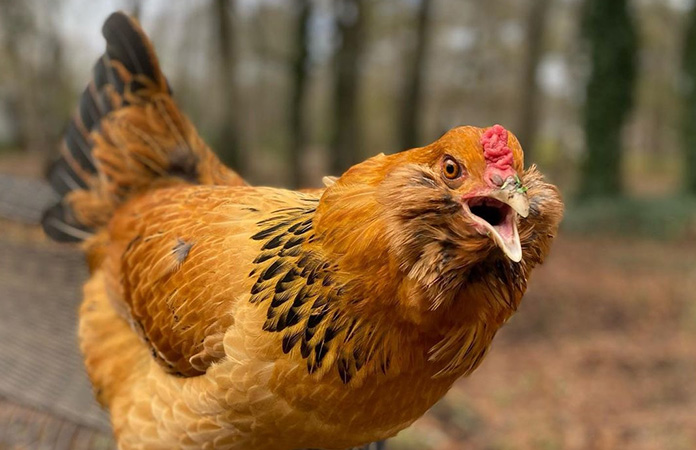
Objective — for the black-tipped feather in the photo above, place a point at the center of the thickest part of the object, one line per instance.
(100, 73)
(63, 178)
(124, 44)
(60, 225)
(113, 77)
(79, 147)
(89, 111)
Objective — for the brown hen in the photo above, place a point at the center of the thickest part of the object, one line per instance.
(220, 315)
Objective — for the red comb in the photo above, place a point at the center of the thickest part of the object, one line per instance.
(495, 148)
(498, 155)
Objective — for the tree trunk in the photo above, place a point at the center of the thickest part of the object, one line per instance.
(350, 25)
(609, 29)
(529, 107)
(38, 100)
(298, 132)
(412, 105)
(136, 8)
(689, 111)
(227, 142)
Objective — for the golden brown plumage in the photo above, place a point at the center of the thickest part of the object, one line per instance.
(220, 315)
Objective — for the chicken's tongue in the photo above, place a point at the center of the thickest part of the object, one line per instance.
(507, 238)
(496, 219)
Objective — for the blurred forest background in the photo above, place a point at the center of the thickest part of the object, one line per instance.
(601, 94)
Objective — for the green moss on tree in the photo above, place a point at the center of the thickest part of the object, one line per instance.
(609, 30)
(689, 112)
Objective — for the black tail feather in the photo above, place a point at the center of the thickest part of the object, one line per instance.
(60, 225)
(127, 47)
(63, 178)
(80, 147)
(126, 136)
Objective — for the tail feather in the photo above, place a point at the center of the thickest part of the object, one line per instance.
(64, 178)
(126, 136)
(127, 43)
(78, 144)
(60, 225)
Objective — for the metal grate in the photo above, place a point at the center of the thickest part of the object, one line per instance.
(24, 199)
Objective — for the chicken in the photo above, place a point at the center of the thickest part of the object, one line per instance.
(221, 315)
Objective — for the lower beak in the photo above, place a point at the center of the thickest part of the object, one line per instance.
(495, 216)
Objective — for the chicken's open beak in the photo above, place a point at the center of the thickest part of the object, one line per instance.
(494, 215)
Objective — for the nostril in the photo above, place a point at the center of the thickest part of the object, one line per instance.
(496, 179)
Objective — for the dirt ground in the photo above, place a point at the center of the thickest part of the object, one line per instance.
(601, 355)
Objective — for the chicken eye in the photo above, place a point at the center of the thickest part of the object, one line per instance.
(451, 168)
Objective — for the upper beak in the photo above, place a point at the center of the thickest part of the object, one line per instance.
(514, 196)
(494, 214)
